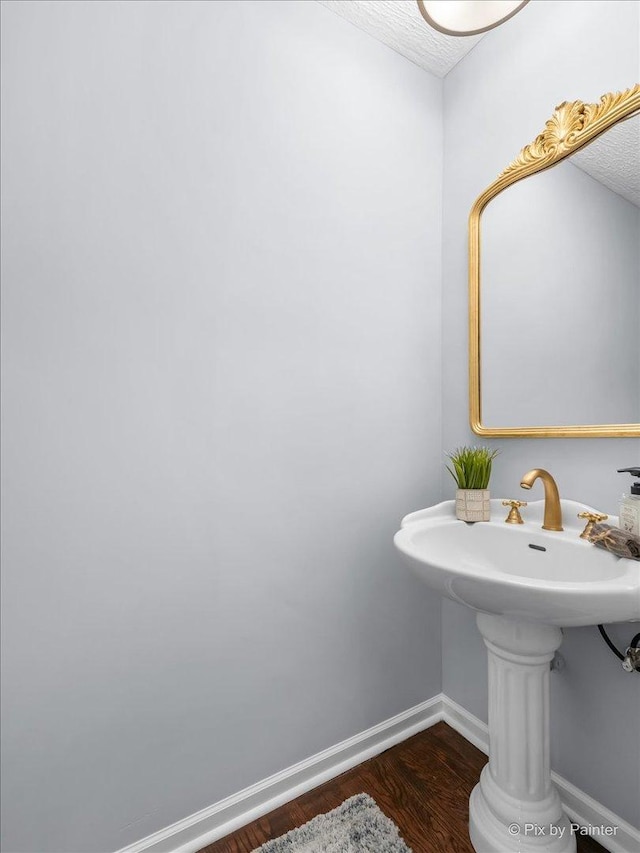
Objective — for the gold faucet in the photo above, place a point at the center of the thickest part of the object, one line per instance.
(552, 508)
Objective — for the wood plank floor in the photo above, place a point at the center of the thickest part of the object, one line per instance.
(423, 785)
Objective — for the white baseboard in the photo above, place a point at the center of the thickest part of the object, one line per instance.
(580, 807)
(204, 827)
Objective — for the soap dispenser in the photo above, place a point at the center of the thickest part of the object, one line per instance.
(630, 504)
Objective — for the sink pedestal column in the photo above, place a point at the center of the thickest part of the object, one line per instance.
(515, 808)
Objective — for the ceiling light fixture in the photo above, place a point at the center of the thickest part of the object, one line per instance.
(468, 17)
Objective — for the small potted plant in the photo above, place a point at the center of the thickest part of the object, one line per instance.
(472, 472)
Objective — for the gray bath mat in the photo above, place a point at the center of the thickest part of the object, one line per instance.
(357, 826)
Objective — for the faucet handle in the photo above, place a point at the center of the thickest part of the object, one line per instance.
(592, 518)
(514, 516)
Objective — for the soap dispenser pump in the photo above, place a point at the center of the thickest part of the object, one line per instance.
(630, 504)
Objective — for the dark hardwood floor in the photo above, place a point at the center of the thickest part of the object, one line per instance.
(423, 785)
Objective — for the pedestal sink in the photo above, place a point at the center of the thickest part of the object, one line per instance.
(526, 583)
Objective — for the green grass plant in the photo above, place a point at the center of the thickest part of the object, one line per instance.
(472, 466)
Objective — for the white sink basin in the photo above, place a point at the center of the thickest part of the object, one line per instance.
(491, 566)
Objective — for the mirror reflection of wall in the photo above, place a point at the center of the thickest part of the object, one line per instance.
(560, 299)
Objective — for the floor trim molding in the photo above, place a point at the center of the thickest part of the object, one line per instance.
(196, 831)
(580, 807)
(204, 827)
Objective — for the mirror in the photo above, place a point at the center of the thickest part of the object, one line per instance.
(555, 280)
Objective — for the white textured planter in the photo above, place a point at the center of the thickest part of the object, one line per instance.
(473, 504)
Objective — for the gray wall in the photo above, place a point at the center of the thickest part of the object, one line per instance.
(221, 268)
(496, 101)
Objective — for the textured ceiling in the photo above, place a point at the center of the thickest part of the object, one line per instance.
(399, 24)
(614, 159)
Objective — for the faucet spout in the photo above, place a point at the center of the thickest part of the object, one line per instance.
(552, 508)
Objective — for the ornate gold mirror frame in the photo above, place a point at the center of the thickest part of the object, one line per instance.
(571, 127)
